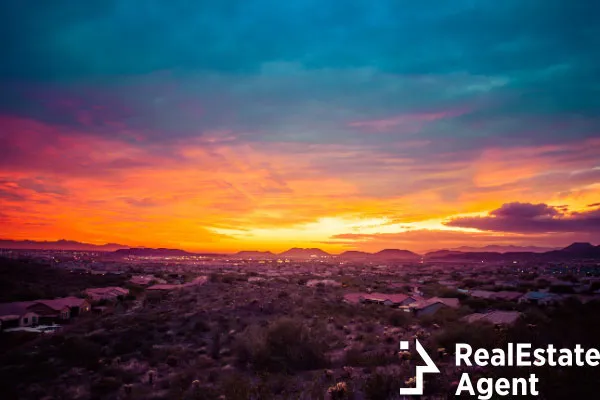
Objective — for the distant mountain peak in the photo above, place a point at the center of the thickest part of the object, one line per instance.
(147, 251)
(580, 246)
(299, 252)
(495, 248)
(396, 254)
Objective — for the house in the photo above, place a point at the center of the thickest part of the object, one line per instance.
(107, 293)
(144, 280)
(392, 300)
(67, 307)
(323, 282)
(507, 284)
(482, 294)
(507, 295)
(13, 315)
(540, 298)
(50, 312)
(353, 298)
(432, 305)
(498, 318)
(163, 287)
(29, 313)
(197, 281)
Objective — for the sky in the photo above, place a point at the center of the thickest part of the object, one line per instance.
(261, 124)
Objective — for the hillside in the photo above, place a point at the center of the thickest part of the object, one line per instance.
(22, 281)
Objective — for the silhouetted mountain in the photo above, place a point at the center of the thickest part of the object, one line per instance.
(577, 250)
(58, 245)
(297, 252)
(396, 254)
(149, 252)
(355, 255)
(442, 253)
(503, 249)
(579, 247)
(254, 254)
(574, 251)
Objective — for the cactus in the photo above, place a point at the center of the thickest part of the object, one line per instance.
(151, 376)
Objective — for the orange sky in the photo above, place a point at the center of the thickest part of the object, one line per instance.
(226, 126)
(226, 197)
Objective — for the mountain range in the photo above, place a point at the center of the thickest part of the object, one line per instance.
(149, 252)
(487, 253)
(504, 249)
(58, 245)
(573, 251)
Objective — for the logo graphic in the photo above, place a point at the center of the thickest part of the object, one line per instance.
(428, 368)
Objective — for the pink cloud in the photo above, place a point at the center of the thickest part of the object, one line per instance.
(407, 123)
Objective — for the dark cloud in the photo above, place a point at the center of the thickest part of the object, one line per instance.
(524, 211)
(532, 218)
(143, 202)
(42, 186)
(11, 195)
(533, 58)
(125, 37)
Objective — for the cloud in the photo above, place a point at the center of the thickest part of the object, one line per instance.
(423, 240)
(532, 218)
(291, 112)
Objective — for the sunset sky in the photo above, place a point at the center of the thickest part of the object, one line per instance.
(261, 125)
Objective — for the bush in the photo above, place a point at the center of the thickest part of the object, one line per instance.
(105, 386)
(358, 358)
(284, 345)
(399, 318)
(381, 387)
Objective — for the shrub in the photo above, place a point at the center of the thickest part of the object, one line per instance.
(381, 387)
(105, 386)
(399, 318)
(358, 358)
(284, 345)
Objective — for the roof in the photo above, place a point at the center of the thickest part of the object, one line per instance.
(507, 295)
(4, 318)
(473, 317)
(21, 307)
(199, 280)
(482, 294)
(503, 317)
(538, 295)
(447, 301)
(353, 298)
(164, 287)
(141, 280)
(60, 304)
(394, 298)
(495, 317)
(398, 298)
(106, 290)
(15, 308)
